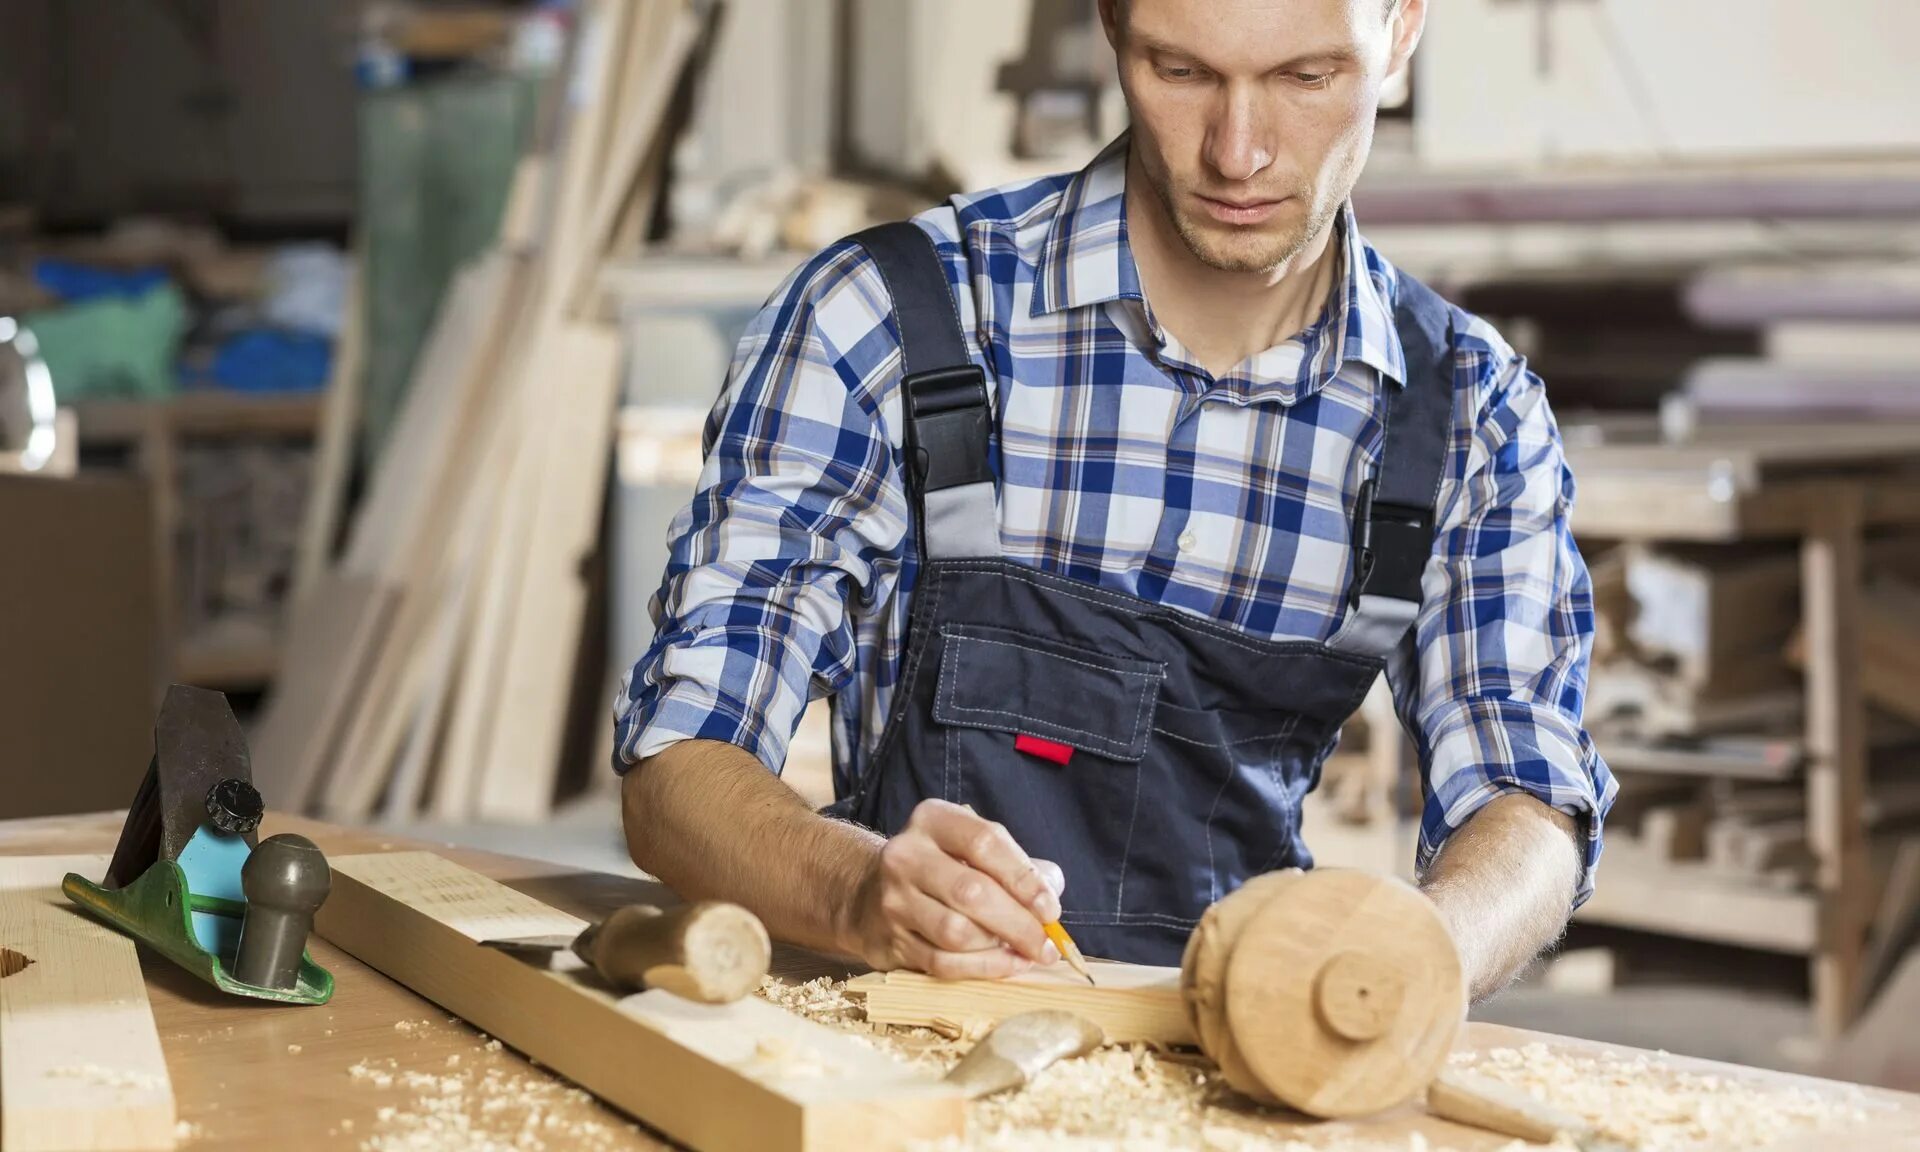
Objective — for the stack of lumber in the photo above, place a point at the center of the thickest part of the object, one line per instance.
(430, 668)
(1692, 642)
(1841, 342)
(1697, 654)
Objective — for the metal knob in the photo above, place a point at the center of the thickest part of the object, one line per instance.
(286, 879)
(234, 806)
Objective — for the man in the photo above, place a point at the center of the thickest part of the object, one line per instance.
(1092, 614)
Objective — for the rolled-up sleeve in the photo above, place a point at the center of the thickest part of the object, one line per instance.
(1493, 682)
(799, 510)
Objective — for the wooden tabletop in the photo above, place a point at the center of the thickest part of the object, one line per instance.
(252, 1075)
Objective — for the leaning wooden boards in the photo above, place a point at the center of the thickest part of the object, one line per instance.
(747, 1076)
(1129, 1001)
(80, 1060)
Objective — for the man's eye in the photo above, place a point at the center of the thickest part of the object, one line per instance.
(1177, 71)
(1312, 79)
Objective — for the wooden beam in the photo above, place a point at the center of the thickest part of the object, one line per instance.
(333, 445)
(523, 756)
(1836, 754)
(1130, 1001)
(330, 641)
(80, 1060)
(746, 1076)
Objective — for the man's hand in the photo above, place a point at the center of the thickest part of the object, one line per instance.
(952, 895)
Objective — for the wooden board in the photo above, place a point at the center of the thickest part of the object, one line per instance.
(523, 757)
(1130, 1001)
(333, 445)
(746, 1076)
(80, 1059)
(329, 640)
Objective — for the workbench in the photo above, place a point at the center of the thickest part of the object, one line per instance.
(247, 1075)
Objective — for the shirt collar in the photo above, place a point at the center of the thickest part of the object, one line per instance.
(1086, 261)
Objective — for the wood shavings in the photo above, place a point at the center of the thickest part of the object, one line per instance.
(968, 1028)
(1136, 1099)
(111, 1077)
(186, 1130)
(821, 1001)
(491, 1110)
(1642, 1100)
(778, 1057)
(293, 1049)
(411, 1026)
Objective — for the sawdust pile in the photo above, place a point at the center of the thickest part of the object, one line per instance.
(1647, 1103)
(1138, 1099)
(475, 1109)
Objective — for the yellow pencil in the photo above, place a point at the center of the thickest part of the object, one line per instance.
(1069, 951)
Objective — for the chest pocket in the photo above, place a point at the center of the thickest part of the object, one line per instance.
(1007, 681)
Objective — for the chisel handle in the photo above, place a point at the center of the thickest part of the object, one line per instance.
(711, 952)
(1465, 1098)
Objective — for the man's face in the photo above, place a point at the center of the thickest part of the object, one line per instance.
(1252, 118)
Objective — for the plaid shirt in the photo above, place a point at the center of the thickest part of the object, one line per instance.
(1121, 462)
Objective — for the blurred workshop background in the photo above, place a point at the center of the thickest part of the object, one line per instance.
(354, 355)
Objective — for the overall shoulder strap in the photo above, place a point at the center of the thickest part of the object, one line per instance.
(1393, 520)
(943, 396)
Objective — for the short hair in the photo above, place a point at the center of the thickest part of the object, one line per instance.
(1120, 10)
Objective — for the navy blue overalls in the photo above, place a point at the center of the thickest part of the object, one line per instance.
(1158, 757)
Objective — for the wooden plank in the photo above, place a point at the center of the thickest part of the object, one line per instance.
(1130, 1001)
(80, 1059)
(417, 558)
(329, 640)
(1739, 758)
(400, 501)
(1896, 923)
(333, 447)
(536, 679)
(746, 1076)
(1836, 754)
(477, 533)
(210, 413)
(663, 40)
(470, 731)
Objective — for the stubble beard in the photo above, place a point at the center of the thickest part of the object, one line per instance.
(1230, 249)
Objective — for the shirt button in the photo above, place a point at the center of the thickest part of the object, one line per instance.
(1188, 541)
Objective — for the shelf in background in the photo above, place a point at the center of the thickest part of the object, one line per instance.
(201, 414)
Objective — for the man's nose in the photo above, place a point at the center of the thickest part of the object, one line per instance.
(1236, 146)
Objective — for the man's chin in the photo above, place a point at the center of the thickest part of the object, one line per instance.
(1229, 249)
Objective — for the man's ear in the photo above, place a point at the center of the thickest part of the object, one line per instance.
(1409, 21)
(1110, 22)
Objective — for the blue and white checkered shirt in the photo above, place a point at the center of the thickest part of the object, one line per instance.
(1123, 463)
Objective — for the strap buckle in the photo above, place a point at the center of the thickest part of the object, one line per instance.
(1391, 546)
(948, 423)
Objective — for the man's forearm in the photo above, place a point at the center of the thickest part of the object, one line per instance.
(712, 823)
(1504, 885)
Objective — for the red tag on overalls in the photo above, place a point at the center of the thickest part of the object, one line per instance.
(1045, 749)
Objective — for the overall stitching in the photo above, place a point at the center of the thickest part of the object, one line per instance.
(1126, 853)
(1213, 867)
(1122, 918)
(902, 691)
